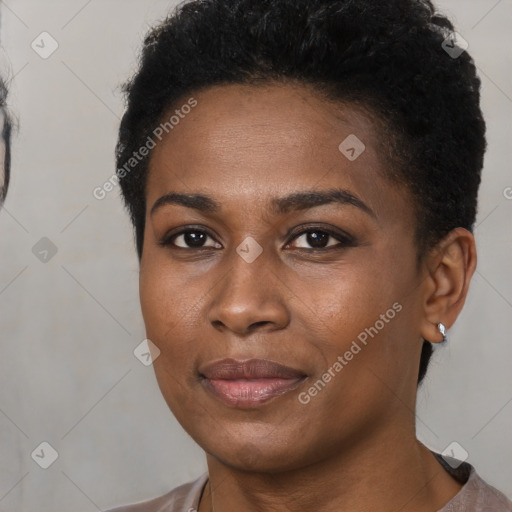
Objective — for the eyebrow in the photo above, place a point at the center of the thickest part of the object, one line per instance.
(281, 205)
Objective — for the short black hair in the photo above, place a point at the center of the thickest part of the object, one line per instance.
(390, 57)
(5, 137)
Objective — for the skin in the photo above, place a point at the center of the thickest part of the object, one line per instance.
(353, 446)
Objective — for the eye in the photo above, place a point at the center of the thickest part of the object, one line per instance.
(314, 237)
(320, 239)
(190, 239)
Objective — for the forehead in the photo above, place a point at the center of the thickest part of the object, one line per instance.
(249, 143)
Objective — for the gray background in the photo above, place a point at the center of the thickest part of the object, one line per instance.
(69, 325)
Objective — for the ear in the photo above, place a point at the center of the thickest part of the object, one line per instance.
(450, 267)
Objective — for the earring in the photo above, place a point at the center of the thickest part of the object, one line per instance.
(442, 330)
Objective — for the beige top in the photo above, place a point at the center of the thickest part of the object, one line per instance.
(475, 495)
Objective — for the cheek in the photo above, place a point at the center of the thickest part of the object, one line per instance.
(173, 307)
(169, 325)
(154, 301)
(349, 296)
(165, 302)
(366, 303)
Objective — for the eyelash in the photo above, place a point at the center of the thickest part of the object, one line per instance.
(344, 240)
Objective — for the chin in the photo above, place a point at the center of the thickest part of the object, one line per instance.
(257, 452)
(253, 458)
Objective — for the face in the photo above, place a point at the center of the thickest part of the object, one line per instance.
(298, 252)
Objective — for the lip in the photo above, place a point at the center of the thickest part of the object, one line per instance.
(249, 383)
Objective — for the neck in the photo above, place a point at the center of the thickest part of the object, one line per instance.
(394, 473)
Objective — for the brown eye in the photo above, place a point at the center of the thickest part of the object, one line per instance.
(190, 239)
(315, 238)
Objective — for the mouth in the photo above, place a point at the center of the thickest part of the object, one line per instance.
(249, 383)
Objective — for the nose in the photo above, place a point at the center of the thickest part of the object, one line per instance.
(249, 297)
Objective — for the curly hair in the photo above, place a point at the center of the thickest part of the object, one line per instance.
(388, 57)
(5, 137)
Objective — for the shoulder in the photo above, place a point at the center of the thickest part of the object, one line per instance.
(184, 498)
(476, 495)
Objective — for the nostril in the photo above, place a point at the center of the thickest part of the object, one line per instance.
(256, 324)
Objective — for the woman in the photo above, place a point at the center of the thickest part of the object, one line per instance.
(302, 177)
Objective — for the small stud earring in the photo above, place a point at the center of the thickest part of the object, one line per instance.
(442, 330)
